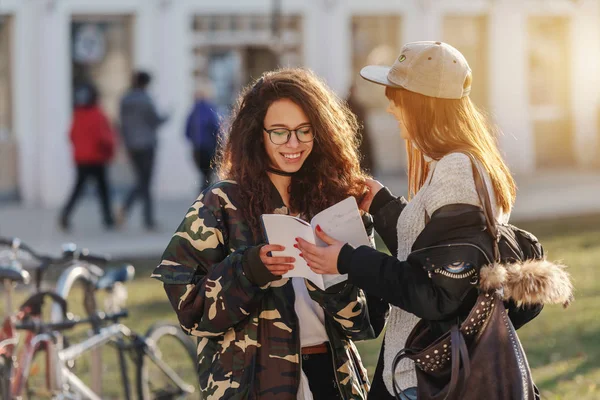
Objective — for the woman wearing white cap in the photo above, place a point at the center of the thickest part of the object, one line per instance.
(428, 88)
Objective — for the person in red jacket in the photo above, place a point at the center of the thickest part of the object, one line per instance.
(93, 142)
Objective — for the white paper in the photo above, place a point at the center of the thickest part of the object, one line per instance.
(283, 230)
(341, 221)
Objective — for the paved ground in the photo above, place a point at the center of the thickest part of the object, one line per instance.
(545, 196)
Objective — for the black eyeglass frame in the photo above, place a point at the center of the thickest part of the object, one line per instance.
(289, 135)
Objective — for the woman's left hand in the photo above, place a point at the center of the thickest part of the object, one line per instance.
(322, 260)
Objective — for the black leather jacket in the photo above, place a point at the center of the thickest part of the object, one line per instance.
(439, 280)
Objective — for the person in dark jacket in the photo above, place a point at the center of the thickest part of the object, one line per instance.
(438, 240)
(202, 130)
(139, 122)
(93, 142)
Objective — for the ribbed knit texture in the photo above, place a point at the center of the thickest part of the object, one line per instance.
(450, 181)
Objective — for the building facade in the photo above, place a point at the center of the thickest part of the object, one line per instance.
(534, 63)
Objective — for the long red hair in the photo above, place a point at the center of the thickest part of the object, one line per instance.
(438, 127)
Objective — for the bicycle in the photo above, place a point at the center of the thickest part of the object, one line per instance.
(159, 373)
(12, 273)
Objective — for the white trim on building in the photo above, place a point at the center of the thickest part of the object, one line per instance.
(162, 43)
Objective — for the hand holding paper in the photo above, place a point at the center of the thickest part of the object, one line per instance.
(276, 265)
(321, 260)
(341, 221)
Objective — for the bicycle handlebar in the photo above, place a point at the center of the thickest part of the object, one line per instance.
(70, 253)
(38, 327)
(17, 244)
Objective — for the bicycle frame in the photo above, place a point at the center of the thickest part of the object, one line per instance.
(9, 338)
(115, 332)
(80, 271)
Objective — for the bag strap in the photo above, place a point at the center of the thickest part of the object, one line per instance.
(398, 392)
(484, 198)
(459, 352)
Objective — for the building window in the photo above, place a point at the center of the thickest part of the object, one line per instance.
(469, 34)
(230, 50)
(101, 53)
(549, 71)
(8, 143)
(375, 40)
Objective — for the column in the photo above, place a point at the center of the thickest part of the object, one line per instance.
(509, 94)
(173, 91)
(54, 103)
(24, 77)
(422, 21)
(327, 42)
(585, 32)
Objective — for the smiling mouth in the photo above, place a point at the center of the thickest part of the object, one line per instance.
(292, 156)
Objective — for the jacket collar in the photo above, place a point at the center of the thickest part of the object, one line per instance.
(277, 204)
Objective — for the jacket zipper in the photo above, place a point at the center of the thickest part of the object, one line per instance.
(447, 246)
(299, 347)
(452, 275)
(299, 351)
(337, 382)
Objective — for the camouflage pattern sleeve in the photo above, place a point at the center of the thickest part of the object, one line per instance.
(205, 285)
(347, 305)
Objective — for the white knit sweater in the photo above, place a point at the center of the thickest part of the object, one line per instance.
(451, 183)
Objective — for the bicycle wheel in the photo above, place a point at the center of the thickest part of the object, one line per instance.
(170, 345)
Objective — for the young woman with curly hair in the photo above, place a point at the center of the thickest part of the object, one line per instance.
(291, 149)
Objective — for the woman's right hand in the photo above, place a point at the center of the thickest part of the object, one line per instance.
(374, 187)
(276, 265)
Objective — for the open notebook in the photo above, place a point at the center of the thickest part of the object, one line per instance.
(342, 221)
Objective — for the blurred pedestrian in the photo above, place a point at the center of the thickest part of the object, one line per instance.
(202, 130)
(365, 149)
(93, 142)
(139, 124)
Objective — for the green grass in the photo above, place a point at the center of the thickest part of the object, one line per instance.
(563, 346)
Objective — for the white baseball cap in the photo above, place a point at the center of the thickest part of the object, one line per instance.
(433, 69)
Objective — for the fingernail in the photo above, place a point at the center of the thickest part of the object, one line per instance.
(308, 264)
(296, 246)
(319, 228)
(301, 255)
(297, 240)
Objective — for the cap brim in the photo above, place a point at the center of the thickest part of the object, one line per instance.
(377, 74)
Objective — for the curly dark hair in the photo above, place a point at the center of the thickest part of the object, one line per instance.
(330, 173)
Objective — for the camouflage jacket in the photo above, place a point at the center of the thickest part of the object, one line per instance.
(248, 336)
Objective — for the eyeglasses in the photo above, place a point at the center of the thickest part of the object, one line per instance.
(280, 136)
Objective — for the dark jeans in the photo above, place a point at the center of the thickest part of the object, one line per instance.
(202, 159)
(143, 165)
(321, 378)
(84, 172)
